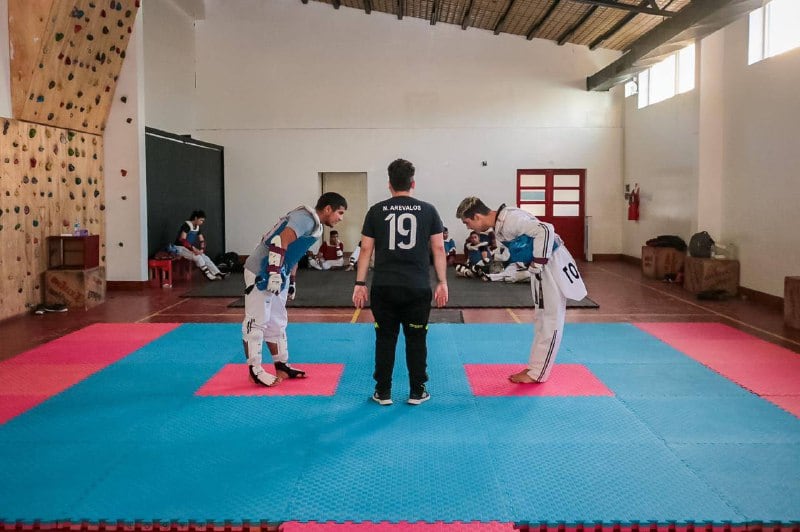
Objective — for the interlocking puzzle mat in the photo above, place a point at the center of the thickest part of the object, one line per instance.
(628, 430)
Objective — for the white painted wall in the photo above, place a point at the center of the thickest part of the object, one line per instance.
(661, 155)
(292, 90)
(5, 64)
(724, 158)
(125, 196)
(761, 196)
(169, 57)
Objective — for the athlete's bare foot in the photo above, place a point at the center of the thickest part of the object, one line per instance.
(522, 378)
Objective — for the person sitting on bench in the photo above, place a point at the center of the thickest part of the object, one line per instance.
(191, 245)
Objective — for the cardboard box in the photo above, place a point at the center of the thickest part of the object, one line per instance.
(75, 288)
(658, 262)
(703, 275)
(791, 302)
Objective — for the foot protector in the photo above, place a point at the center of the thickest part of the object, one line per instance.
(282, 368)
(263, 378)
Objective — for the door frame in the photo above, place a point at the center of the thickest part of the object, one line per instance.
(549, 200)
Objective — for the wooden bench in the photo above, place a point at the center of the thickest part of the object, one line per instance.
(705, 275)
(658, 262)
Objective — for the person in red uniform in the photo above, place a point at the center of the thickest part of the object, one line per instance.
(330, 255)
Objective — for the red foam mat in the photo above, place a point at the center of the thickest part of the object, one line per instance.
(233, 379)
(765, 369)
(42, 379)
(492, 526)
(40, 373)
(565, 380)
(100, 343)
(13, 405)
(789, 403)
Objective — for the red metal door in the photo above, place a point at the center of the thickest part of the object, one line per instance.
(556, 197)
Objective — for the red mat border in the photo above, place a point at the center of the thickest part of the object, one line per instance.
(266, 526)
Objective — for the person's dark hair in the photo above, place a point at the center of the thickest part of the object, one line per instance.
(334, 232)
(471, 206)
(332, 200)
(444, 229)
(401, 175)
(199, 213)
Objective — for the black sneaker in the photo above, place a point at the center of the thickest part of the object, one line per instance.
(418, 398)
(383, 399)
(282, 368)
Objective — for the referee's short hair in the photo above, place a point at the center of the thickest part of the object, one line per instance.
(401, 175)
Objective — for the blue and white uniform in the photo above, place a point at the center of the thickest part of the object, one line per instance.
(265, 313)
(183, 246)
(531, 240)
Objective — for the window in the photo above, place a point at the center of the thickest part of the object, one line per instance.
(631, 88)
(674, 75)
(773, 29)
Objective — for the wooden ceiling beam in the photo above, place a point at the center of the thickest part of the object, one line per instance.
(628, 7)
(502, 18)
(622, 23)
(693, 22)
(542, 20)
(467, 15)
(567, 34)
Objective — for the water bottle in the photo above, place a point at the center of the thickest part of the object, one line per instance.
(76, 229)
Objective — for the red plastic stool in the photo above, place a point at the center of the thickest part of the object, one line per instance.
(184, 268)
(161, 272)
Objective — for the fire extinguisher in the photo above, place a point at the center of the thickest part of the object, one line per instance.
(633, 203)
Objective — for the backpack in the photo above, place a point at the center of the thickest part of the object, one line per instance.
(667, 241)
(229, 262)
(701, 245)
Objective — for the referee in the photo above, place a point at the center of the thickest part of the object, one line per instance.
(403, 232)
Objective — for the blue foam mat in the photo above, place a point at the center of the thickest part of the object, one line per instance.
(134, 442)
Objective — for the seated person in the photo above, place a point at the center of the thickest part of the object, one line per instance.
(191, 245)
(477, 254)
(509, 262)
(330, 255)
(449, 247)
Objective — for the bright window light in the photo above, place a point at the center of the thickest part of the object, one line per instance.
(630, 88)
(674, 75)
(662, 80)
(686, 69)
(773, 30)
(755, 46)
(644, 88)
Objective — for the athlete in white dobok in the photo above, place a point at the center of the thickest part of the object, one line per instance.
(269, 274)
(554, 276)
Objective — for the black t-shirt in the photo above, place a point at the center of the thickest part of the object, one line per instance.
(402, 227)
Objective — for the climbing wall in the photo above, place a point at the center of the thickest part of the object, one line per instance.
(50, 178)
(67, 56)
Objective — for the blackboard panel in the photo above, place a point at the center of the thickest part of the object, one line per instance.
(183, 175)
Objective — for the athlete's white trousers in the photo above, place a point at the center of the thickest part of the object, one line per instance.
(548, 325)
(200, 260)
(265, 320)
